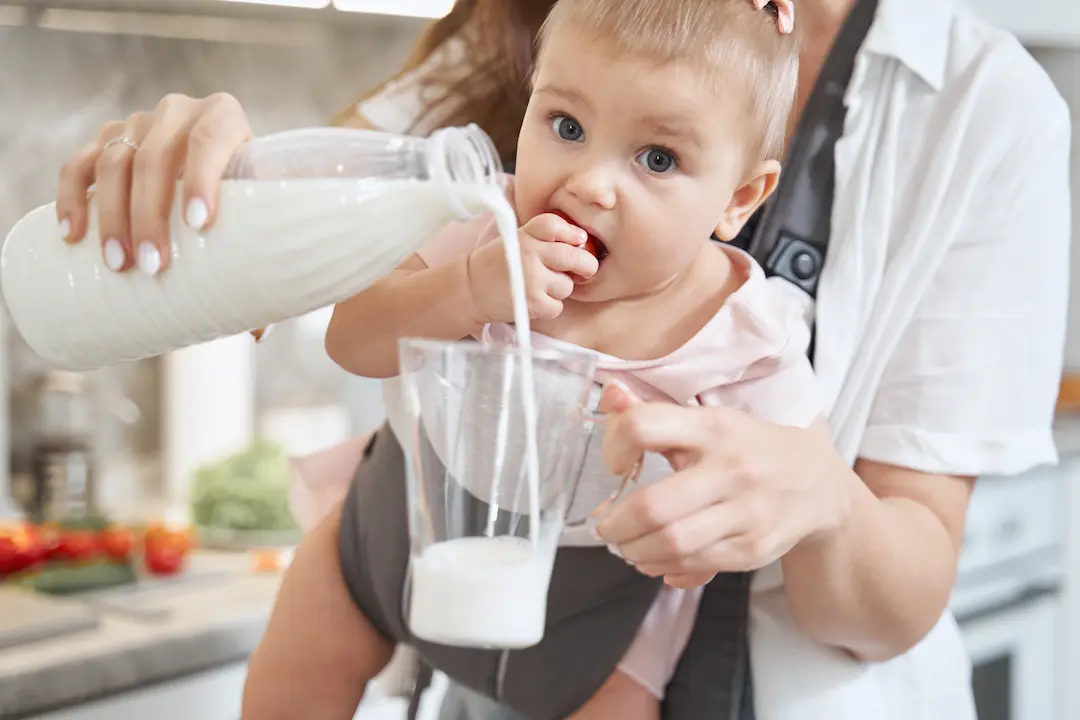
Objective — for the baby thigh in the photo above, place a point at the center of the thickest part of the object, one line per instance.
(319, 651)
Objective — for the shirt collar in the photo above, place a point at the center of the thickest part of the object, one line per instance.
(915, 32)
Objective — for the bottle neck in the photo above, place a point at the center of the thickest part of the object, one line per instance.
(463, 161)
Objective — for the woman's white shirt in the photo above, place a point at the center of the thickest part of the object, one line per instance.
(940, 312)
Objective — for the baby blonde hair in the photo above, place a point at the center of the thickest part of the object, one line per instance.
(735, 42)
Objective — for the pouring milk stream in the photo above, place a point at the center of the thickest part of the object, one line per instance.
(306, 219)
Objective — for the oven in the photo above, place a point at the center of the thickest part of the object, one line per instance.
(1008, 598)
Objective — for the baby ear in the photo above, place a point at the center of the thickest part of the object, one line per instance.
(748, 198)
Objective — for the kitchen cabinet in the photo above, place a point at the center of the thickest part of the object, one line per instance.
(1046, 23)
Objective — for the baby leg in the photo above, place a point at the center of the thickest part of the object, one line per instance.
(319, 651)
(620, 697)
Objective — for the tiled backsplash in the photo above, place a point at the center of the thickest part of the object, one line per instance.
(58, 87)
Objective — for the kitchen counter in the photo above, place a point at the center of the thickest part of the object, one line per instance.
(213, 620)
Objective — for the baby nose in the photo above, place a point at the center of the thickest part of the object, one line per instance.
(593, 186)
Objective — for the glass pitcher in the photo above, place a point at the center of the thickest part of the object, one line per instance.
(483, 545)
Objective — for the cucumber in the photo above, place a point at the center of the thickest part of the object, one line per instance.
(67, 580)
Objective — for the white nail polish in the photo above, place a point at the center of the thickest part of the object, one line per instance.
(614, 551)
(196, 214)
(114, 254)
(65, 228)
(149, 258)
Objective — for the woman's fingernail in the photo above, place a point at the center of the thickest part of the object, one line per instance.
(114, 255)
(615, 551)
(149, 258)
(196, 214)
(65, 228)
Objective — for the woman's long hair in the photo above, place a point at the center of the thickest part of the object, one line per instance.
(499, 38)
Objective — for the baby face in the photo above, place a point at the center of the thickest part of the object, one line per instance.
(649, 159)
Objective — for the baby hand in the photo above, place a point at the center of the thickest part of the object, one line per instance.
(552, 250)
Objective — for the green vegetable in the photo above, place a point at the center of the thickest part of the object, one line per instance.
(246, 491)
(68, 579)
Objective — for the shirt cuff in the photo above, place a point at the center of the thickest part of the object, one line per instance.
(943, 453)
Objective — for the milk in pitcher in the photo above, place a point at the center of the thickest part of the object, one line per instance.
(480, 592)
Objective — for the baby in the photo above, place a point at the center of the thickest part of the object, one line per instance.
(652, 127)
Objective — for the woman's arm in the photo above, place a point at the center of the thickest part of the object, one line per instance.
(413, 301)
(878, 583)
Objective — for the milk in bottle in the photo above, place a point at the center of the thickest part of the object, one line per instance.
(305, 219)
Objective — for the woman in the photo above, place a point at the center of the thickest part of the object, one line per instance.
(940, 323)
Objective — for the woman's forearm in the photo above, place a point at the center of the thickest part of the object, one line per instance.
(432, 303)
(877, 584)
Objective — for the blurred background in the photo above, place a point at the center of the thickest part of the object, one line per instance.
(135, 435)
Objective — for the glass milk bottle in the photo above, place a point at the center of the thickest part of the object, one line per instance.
(305, 219)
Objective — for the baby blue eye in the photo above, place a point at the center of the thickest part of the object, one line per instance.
(658, 160)
(567, 128)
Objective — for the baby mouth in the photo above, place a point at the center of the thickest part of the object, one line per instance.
(596, 247)
(593, 245)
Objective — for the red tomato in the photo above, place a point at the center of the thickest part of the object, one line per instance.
(117, 543)
(8, 554)
(49, 539)
(163, 558)
(28, 551)
(162, 534)
(77, 545)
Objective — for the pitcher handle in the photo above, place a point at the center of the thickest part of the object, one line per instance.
(631, 476)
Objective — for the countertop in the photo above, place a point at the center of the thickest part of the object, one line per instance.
(214, 620)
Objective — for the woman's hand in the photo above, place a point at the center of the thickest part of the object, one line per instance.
(743, 493)
(134, 166)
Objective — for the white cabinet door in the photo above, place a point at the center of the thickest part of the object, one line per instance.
(1036, 22)
(213, 695)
